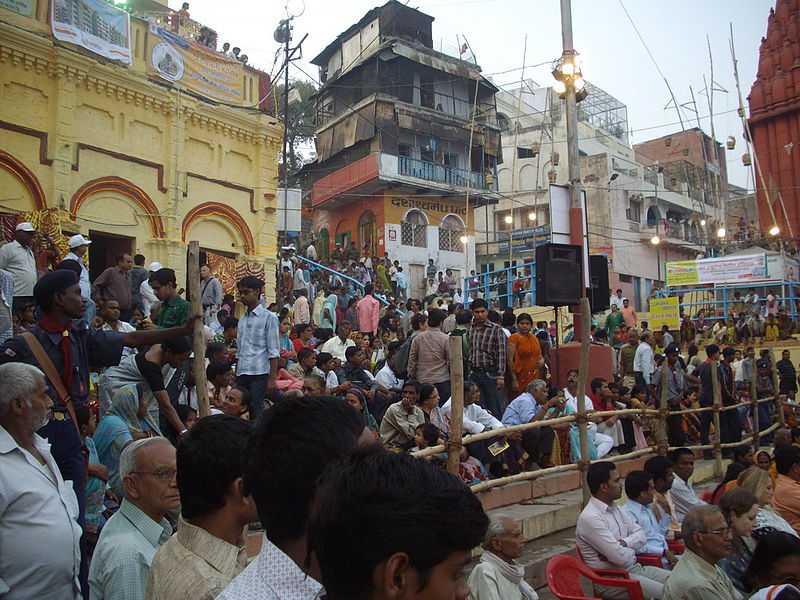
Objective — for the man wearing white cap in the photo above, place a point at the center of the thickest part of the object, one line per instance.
(78, 247)
(146, 290)
(17, 258)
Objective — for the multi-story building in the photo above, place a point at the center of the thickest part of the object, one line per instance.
(629, 199)
(407, 144)
(136, 162)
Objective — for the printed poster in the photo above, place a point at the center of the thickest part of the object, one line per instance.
(202, 70)
(93, 24)
(727, 269)
(664, 311)
(25, 8)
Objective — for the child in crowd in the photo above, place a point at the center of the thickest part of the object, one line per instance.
(98, 476)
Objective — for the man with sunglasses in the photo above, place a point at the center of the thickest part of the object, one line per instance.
(121, 562)
(708, 541)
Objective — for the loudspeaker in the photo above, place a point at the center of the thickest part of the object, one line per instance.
(558, 275)
(598, 292)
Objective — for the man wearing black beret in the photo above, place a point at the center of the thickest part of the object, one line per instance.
(73, 349)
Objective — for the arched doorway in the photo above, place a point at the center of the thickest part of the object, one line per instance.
(323, 244)
(367, 235)
(451, 229)
(653, 216)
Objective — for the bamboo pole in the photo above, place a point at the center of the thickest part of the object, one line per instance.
(662, 439)
(717, 404)
(583, 368)
(198, 340)
(454, 444)
(776, 384)
(754, 408)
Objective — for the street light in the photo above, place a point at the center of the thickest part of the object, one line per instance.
(774, 230)
(531, 216)
(655, 240)
(508, 219)
(702, 222)
(463, 239)
(559, 87)
(721, 232)
(567, 72)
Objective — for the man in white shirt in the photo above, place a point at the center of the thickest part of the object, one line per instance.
(293, 443)
(616, 299)
(338, 344)
(149, 297)
(681, 493)
(301, 309)
(643, 360)
(476, 418)
(498, 575)
(602, 442)
(39, 531)
(78, 247)
(386, 377)
(607, 538)
(17, 258)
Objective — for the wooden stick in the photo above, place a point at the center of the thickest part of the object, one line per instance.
(456, 406)
(777, 385)
(662, 439)
(198, 340)
(583, 372)
(754, 408)
(717, 404)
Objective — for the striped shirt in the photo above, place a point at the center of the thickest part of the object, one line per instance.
(488, 348)
(257, 341)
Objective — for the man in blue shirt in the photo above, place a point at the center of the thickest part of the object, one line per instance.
(530, 406)
(639, 489)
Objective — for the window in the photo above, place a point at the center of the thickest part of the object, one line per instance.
(500, 220)
(450, 159)
(634, 211)
(404, 150)
(413, 229)
(450, 231)
(502, 121)
(625, 278)
(653, 216)
(525, 153)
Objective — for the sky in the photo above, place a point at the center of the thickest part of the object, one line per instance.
(613, 56)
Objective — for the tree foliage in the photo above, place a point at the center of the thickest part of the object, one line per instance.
(301, 125)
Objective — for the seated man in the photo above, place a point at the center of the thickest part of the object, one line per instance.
(476, 418)
(639, 489)
(401, 419)
(600, 443)
(306, 364)
(498, 576)
(708, 541)
(387, 525)
(682, 493)
(528, 407)
(209, 550)
(660, 469)
(353, 369)
(607, 538)
(129, 540)
(787, 486)
(219, 376)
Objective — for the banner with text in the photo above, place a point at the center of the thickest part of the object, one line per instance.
(728, 269)
(94, 24)
(664, 311)
(202, 70)
(21, 7)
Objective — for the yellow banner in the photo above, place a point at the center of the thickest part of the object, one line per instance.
(664, 311)
(682, 272)
(195, 67)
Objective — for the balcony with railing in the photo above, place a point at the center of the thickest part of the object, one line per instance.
(439, 173)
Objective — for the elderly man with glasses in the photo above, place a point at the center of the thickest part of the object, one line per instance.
(708, 541)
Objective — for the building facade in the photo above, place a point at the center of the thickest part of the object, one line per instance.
(135, 162)
(774, 121)
(407, 144)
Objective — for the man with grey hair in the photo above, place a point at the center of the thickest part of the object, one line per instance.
(531, 406)
(130, 538)
(498, 576)
(697, 576)
(39, 532)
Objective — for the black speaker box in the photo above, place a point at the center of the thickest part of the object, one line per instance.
(599, 295)
(558, 275)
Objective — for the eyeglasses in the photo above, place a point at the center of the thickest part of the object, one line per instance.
(723, 531)
(160, 474)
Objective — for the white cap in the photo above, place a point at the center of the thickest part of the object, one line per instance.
(154, 266)
(25, 226)
(76, 241)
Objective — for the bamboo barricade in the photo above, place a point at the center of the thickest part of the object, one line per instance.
(583, 370)
(717, 405)
(455, 442)
(662, 439)
(198, 341)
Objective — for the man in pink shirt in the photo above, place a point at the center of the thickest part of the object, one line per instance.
(367, 310)
(628, 313)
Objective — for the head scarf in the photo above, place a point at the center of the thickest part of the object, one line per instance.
(369, 420)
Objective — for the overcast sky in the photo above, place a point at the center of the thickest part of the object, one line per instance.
(613, 56)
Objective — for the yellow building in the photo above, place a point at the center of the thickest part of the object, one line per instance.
(136, 162)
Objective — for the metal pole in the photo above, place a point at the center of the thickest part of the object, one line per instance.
(286, 134)
(576, 206)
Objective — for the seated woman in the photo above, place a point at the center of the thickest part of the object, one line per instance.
(470, 469)
(775, 566)
(764, 460)
(356, 398)
(739, 507)
(759, 483)
(117, 428)
(429, 403)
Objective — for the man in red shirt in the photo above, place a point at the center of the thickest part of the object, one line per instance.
(368, 309)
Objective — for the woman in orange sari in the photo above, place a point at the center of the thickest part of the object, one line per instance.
(524, 354)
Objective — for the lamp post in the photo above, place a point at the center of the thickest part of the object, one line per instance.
(571, 86)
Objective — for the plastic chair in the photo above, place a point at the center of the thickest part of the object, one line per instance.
(564, 573)
(649, 560)
(676, 546)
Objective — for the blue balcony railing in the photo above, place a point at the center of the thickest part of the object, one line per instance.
(438, 173)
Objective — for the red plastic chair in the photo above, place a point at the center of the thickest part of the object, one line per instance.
(564, 573)
(676, 546)
(649, 560)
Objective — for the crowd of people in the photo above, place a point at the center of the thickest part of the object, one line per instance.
(317, 407)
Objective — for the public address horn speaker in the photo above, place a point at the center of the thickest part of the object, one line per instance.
(558, 275)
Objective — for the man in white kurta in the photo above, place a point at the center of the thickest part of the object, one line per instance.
(498, 576)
